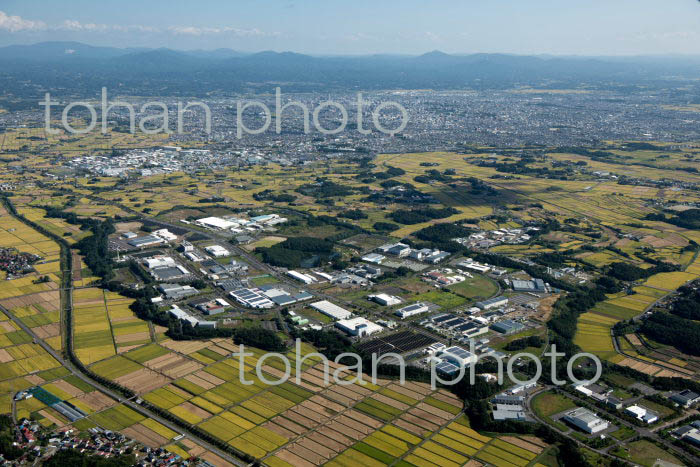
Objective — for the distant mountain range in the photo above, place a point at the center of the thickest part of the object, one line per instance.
(74, 65)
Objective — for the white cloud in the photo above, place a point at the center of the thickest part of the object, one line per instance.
(72, 25)
(17, 23)
(201, 31)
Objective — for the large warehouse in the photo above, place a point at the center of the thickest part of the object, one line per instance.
(358, 327)
(585, 420)
(329, 309)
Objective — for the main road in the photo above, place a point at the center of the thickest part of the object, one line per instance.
(119, 398)
(66, 324)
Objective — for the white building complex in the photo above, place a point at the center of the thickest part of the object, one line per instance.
(329, 309)
(412, 310)
(585, 420)
(358, 327)
(385, 300)
(217, 251)
(216, 223)
(178, 313)
(642, 413)
(305, 278)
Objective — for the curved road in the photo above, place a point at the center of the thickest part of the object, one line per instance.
(67, 273)
(128, 402)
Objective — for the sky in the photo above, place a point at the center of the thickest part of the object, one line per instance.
(352, 27)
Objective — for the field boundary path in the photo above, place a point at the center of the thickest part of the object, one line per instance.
(67, 299)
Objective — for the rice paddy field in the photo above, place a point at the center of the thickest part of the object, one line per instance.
(594, 328)
(304, 423)
(71, 233)
(72, 145)
(21, 360)
(104, 325)
(15, 234)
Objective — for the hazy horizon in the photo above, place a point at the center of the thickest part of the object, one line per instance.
(412, 27)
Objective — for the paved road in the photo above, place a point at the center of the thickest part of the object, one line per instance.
(66, 293)
(128, 402)
(641, 431)
(528, 408)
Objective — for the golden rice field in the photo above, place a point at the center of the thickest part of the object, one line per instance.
(670, 280)
(15, 234)
(20, 359)
(593, 335)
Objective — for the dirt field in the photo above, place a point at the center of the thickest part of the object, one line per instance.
(145, 435)
(143, 380)
(96, 400)
(173, 365)
(69, 388)
(5, 357)
(193, 409)
(50, 301)
(127, 226)
(48, 330)
(184, 347)
(522, 444)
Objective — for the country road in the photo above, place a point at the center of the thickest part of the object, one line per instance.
(128, 402)
(66, 295)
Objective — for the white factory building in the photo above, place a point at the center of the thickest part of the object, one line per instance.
(217, 251)
(216, 223)
(471, 265)
(160, 262)
(642, 413)
(166, 235)
(385, 300)
(305, 278)
(412, 310)
(358, 327)
(458, 356)
(178, 313)
(329, 309)
(586, 420)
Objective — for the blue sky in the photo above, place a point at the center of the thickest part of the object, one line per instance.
(563, 27)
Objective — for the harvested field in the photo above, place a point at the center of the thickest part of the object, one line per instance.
(306, 423)
(68, 388)
(435, 411)
(341, 399)
(48, 330)
(334, 434)
(184, 347)
(48, 415)
(305, 453)
(293, 459)
(213, 459)
(288, 425)
(193, 409)
(364, 419)
(137, 336)
(49, 301)
(411, 427)
(345, 430)
(521, 443)
(143, 380)
(96, 400)
(145, 435)
(390, 402)
(411, 418)
(173, 365)
(275, 428)
(127, 348)
(326, 403)
(355, 425)
(5, 357)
